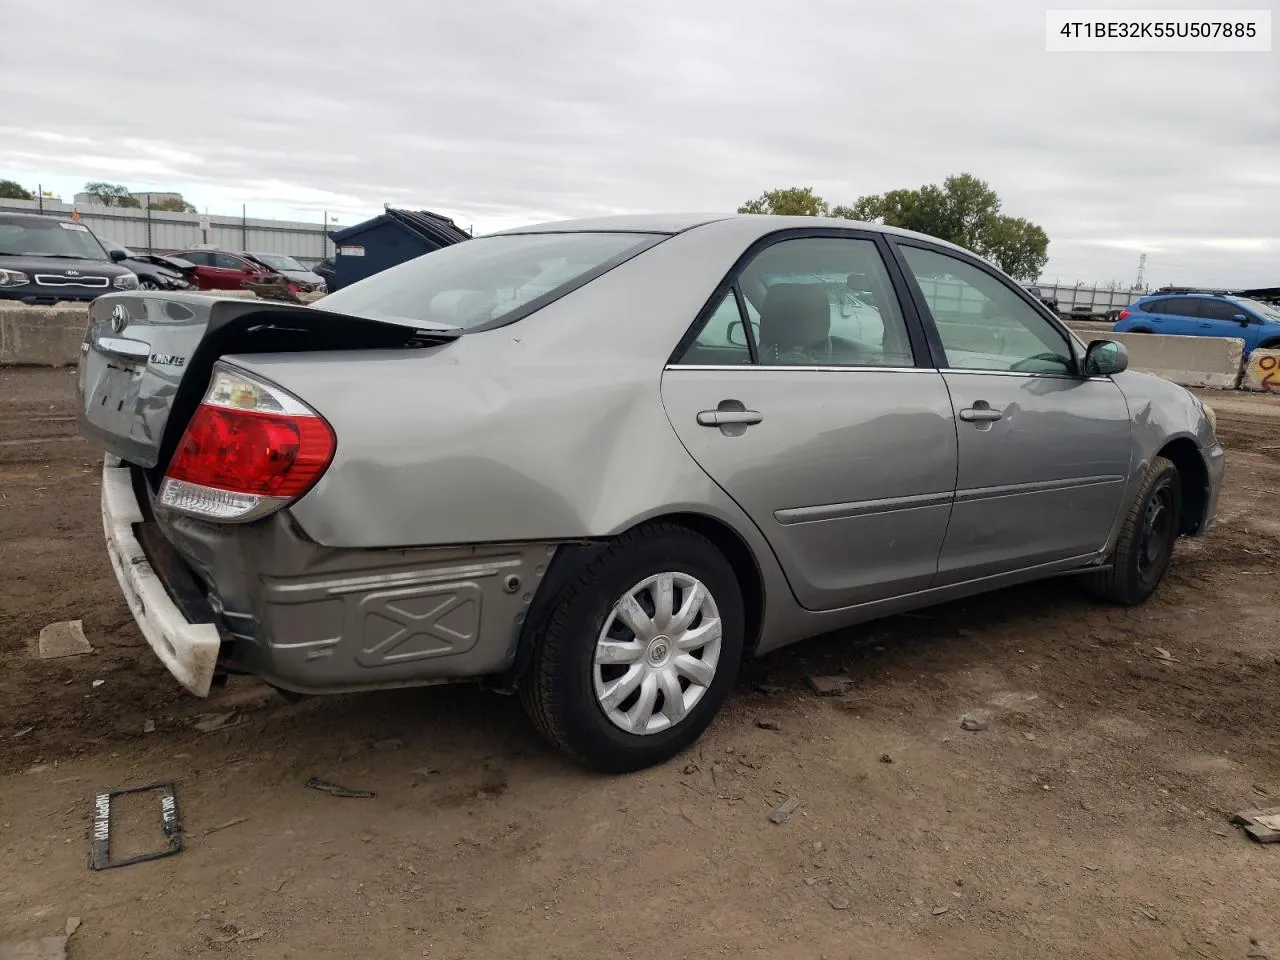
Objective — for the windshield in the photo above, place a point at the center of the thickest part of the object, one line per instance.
(1260, 308)
(49, 238)
(278, 261)
(487, 280)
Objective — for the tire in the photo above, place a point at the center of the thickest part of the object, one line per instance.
(1270, 345)
(1140, 330)
(1140, 563)
(147, 285)
(562, 690)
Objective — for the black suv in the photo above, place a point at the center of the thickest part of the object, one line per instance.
(1048, 300)
(46, 260)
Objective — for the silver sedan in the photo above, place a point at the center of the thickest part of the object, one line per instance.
(599, 463)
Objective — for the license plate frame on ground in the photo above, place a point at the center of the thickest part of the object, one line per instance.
(170, 825)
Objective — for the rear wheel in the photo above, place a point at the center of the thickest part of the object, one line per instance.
(1147, 538)
(639, 651)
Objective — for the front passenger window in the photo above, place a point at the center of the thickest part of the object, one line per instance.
(982, 323)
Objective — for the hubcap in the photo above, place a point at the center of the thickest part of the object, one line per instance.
(657, 654)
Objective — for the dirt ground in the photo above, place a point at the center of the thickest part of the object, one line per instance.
(1088, 820)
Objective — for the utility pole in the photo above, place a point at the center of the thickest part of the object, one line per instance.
(1142, 270)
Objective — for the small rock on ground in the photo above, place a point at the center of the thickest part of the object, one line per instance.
(975, 722)
(831, 686)
(64, 639)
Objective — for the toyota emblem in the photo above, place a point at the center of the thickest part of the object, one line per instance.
(119, 317)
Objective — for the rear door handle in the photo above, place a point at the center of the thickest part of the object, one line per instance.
(719, 418)
(980, 412)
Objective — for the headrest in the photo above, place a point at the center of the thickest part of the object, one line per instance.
(795, 315)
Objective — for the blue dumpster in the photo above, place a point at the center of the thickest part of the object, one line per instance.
(390, 238)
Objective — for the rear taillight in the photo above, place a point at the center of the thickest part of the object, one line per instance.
(1123, 315)
(250, 449)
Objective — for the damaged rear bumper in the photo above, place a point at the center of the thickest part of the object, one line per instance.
(263, 599)
(189, 650)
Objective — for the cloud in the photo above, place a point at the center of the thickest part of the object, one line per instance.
(500, 113)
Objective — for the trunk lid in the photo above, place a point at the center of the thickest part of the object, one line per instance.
(146, 358)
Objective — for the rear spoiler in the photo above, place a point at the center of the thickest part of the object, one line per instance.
(147, 357)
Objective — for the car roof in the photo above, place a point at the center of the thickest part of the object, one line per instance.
(31, 218)
(1189, 293)
(750, 223)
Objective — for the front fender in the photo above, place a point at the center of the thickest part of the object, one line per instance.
(1166, 416)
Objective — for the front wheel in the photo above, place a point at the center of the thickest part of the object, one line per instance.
(148, 285)
(639, 651)
(1145, 547)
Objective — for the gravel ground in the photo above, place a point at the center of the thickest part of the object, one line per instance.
(1089, 819)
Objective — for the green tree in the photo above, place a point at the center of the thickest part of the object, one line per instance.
(12, 190)
(966, 212)
(1016, 246)
(111, 194)
(176, 204)
(788, 202)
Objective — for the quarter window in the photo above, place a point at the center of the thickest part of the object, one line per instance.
(983, 324)
(723, 339)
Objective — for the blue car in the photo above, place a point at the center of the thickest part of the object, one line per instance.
(1204, 315)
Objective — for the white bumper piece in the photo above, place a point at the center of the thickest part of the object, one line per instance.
(189, 650)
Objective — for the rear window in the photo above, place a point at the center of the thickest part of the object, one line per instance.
(488, 281)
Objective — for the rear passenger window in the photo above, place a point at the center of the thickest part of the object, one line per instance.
(1178, 307)
(824, 301)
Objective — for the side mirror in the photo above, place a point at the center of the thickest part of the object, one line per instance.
(735, 326)
(117, 255)
(1105, 358)
(1241, 319)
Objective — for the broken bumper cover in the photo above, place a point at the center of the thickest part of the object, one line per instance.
(189, 650)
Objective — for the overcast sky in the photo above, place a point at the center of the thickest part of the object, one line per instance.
(499, 112)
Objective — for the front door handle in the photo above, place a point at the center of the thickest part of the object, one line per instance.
(980, 412)
(719, 418)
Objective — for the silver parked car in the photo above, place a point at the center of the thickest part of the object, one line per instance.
(602, 462)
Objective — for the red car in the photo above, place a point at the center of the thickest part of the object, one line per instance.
(219, 270)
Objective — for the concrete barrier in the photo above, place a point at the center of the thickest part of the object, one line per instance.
(1190, 361)
(1262, 372)
(41, 336)
(1088, 330)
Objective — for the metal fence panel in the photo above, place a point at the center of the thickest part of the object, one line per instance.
(166, 231)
